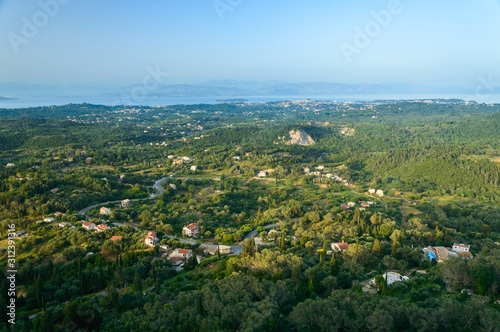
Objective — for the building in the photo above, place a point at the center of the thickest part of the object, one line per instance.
(105, 210)
(173, 186)
(48, 219)
(10, 165)
(151, 239)
(212, 250)
(464, 255)
(340, 246)
(191, 230)
(391, 277)
(116, 238)
(54, 190)
(440, 254)
(351, 204)
(101, 228)
(380, 193)
(88, 225)
(193, 168)
(182, 253)
(125, 203)
(64, 224)
(371, 191)
(458, 247)
(20, 233)
(262, 174)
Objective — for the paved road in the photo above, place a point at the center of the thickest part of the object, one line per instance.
(254, 232)
(237, 249)
(157, 186)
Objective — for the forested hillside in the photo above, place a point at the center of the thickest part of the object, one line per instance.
(290, 237)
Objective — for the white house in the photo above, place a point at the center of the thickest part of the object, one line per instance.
(224, 250)
(10, 165)
(371, 191)
(458, 247)
(340, 246)
(151, 239)
(173, 186)
(48, 219)
(193, 168)
(88, 225)
(182, 253)
(101, 228)
(262, 174)
(391, 278)
(351, 204)
(105, 210)
(191, 230)
(125, 203)
(380, 192)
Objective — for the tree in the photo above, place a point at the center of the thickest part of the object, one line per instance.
(332, 263)
(356, 251)
(377, 249)
(249, 247)
(279, 173)
(138, 283)
(357, 216)
(394, 249)
(389, 261)
(282, 242)
(38, 287)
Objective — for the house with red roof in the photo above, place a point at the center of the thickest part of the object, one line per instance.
(101, 228)
(191, 230)
(116, 238)
(458, 247)
(340, 246)
(151, 239)
(88, 225)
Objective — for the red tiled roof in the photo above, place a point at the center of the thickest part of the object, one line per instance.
(184, 251)
(461, 245)
(465, 254)
(151, 234)
(192, 226)
(342, 245)
(116, 237)
(87, 224)
(176, 260)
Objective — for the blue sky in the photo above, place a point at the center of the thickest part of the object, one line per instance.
(446, 42)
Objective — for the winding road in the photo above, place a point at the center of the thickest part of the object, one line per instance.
(237, 249)
(156, 185)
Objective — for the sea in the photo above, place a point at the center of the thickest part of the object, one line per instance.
(162, 101)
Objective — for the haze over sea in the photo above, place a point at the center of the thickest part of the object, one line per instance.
(159, 101)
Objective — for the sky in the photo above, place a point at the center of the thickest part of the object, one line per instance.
(114, 42)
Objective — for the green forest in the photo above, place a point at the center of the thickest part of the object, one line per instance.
(317, 204)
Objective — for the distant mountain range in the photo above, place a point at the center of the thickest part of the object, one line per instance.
(273, 88)
(225, 88)
(6, 98)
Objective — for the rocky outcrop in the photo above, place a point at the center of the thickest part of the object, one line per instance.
(300, 137)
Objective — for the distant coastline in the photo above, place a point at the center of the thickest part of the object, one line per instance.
(7, 98)
(232, 100)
